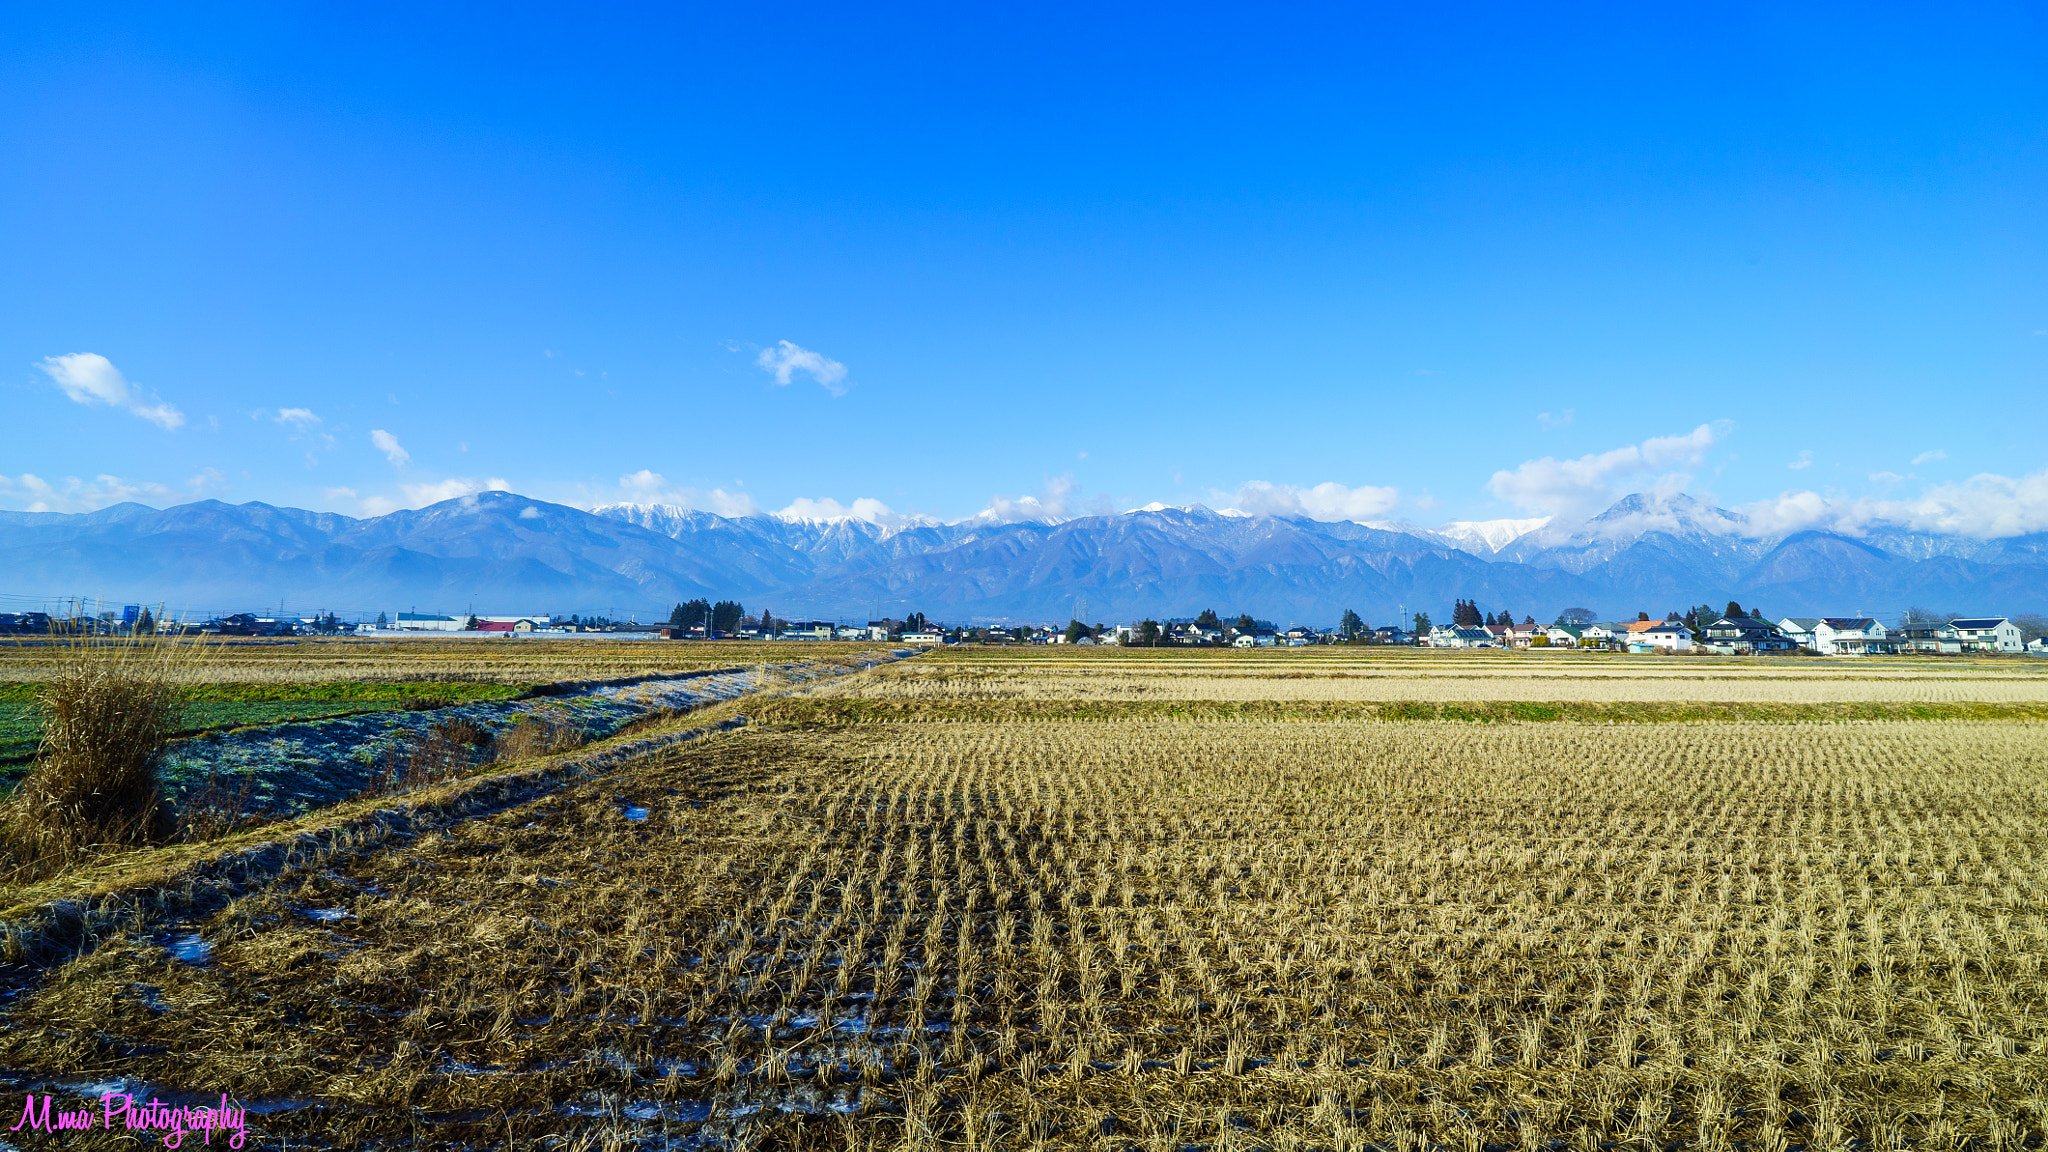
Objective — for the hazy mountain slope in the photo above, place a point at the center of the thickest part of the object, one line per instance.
(506, 553)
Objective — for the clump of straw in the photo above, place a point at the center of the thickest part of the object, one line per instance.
(108, 714)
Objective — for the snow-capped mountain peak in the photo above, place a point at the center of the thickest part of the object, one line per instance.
(1486, 537)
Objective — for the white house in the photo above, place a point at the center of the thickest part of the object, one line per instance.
(1799, 630)
(928, 637)
(1659, 636)
(1989, 634)
(1442, 636)
(1851, 636)
(1605, 635)
(2038, 646)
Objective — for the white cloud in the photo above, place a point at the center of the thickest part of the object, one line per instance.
(787, 358)
(389, 446)
(1059, 500)
(1885, 477)
(31, 493)
(1574, 489)
(529, 513)
(299, 419)
(90, 378)
(421, 495)
(338, 493)
(1557, 420)
(1805, 460)
(1326, 501)
(1986, 506)
(1930, 456)
(863, 508)
(207, 480)
(650, 487)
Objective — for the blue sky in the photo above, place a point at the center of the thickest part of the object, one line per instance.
(1358, 263)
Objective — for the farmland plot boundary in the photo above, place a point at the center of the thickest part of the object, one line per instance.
(42, 931)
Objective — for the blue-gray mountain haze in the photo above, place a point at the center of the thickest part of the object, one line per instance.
(503, 553)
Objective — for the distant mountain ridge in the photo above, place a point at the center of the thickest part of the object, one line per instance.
(502, 552)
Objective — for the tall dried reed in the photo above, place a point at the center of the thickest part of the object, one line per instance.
(108, 711)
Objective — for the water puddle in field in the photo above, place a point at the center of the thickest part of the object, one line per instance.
(191, 948)
(327, 915)
(635, 812)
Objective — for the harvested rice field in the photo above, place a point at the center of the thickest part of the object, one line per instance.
(521, 662)
(952, 922)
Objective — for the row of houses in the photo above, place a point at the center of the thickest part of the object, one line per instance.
(1863, 636)
(1746, 635)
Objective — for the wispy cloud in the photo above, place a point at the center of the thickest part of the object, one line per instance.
(421, 495)
(90, 378)
(1572, 489)
(1059, 499)
(786, 359)
(389, 446)
(1930, 456)
(1557, 420)
(1805, 460)
(299, 419)
(650, 487)
(1986, 506)
(29, 492)
(1329, 501)
(865, 508)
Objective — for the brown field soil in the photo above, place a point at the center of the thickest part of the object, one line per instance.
(1118, 930)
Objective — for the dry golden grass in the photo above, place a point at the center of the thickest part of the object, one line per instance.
(491, 661)
(1151, 934)
(1338, 675)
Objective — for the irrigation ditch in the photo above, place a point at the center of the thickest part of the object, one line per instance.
(39, 933)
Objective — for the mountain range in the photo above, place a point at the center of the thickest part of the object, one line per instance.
(498, 552)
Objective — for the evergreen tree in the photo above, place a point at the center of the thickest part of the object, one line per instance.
(726, 616)
(1422, 624)
(145, 625)
(1734, 611)
(1245, 622)
(1350, 625)
(1208, 619)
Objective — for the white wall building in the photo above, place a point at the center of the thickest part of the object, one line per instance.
(1989, 634)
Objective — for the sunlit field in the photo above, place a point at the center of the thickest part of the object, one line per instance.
(901, 911)
(489, 661)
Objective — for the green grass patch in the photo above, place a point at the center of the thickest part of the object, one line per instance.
(211, 706)
(839, 711)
